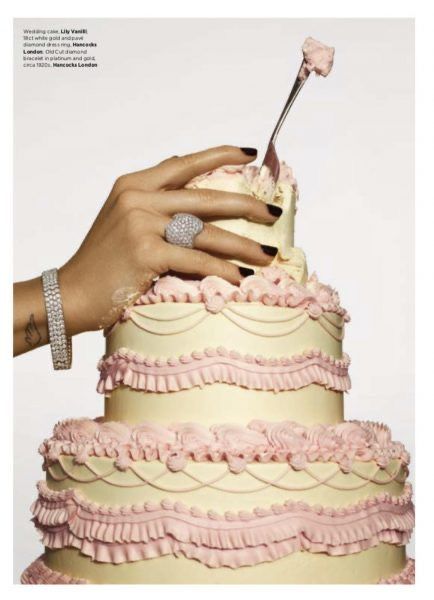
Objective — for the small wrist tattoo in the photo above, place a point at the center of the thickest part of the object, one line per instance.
(32, 337)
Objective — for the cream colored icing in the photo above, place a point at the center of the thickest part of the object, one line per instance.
(382, 564)
(161, 331)
(178, 329)
(309, 405)
(248, 180)
(337, 489)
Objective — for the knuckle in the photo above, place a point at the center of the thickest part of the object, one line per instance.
(133, 221)
(143, 246)
(126, 200)
(148, 245)
(205, 196)
(121, 184)
(187, 160)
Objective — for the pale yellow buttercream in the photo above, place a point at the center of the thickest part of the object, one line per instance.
(172, 329)
(165, 330)
(223, 403)
(280, 233)
(298, 568)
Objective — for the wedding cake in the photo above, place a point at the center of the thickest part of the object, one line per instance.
(223, 456)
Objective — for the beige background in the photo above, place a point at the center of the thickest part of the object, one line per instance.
(173, 86)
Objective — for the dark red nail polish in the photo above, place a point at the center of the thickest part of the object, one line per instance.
(249, 151)
(270, 250)
(274, 210)
(245, 272)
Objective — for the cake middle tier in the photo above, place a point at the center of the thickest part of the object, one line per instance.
(247, 359)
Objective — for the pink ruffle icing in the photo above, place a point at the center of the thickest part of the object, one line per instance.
(39, 574)
(259, 441)
(130, 533)
(271, 286)
(218, 365)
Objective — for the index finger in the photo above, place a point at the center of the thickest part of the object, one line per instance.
(177, 171)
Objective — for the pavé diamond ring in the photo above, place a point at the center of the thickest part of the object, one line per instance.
(182, 230)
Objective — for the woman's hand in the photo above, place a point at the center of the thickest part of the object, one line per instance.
(125, 248)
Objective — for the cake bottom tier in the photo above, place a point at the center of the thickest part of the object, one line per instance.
(384, 564)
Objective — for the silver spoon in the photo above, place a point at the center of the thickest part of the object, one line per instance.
(271, 160)
(316, 57)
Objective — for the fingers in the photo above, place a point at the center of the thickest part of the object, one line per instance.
(175, 172)
(205, 204)
(213, 240)
(220, 242)
(195, 262)
(212, 204)
(217, 241)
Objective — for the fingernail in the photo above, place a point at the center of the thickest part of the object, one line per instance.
(249, 151)
(270, 250)
(274, 210)
(245, 272)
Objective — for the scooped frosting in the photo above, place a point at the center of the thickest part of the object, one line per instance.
(317, 57)
(257, 182)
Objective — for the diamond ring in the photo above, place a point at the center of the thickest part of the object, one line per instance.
(182, 230)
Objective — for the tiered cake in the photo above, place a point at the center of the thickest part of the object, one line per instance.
(223, 456)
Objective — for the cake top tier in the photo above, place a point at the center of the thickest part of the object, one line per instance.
(257, 181)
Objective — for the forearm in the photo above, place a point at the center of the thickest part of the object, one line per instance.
(30, 317)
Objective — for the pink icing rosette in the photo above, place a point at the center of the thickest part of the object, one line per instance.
(75, 430)
(259, 441)
(113, 432)
(236, 464)
(269, 285)
(322, 443)
(283, 435)
(168, 287)
(237, 438)
(152, 434)
(176, 461)
(215, 304)
(192, 436)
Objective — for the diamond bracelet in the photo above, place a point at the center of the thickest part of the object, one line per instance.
(60, 343)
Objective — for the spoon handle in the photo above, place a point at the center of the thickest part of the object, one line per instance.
(298, 84)
(271, 160)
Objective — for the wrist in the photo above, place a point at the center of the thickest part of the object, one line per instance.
(30, 318)
(74, 299)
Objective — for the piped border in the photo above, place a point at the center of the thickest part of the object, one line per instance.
(219, 365)
(128, 533)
